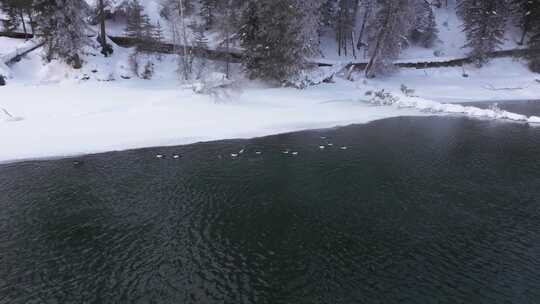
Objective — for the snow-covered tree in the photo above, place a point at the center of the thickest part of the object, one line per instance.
(424, 31)
(62, 27)
(484, 23)
(208, 12)
(346, 26)
(366, 7)
(276, 38)
(175, 12)
(138, 26)
(136, 19)
(388, 30)
(534, 40)
(521, 13)
(17, 11)
(106, 48)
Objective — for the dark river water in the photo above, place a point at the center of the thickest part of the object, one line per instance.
(415, 210)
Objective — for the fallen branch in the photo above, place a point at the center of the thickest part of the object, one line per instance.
(6, 112)
(19, 54)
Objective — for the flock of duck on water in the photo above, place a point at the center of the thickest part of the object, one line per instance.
(242, 151)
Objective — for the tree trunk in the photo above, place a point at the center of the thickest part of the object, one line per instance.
(29, 13)
(525, 31)
(21, 15)
(106, 49)
(362, 29)
(374, 57)
(227, 46)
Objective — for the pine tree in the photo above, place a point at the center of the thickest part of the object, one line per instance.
(139, 27)
(13, 21)
(200, 43)
(534, 40)
(367, 8)
(484, 25)
(158, 33)
(15, 11)
(227, 23)
(346, 24)
(424, 30)
(274, 38)
(207, 12)
(199, 37)
(106, 48)
(329, 13)
(521, 9)
(135, 21)
(62, 27)
(387, 30)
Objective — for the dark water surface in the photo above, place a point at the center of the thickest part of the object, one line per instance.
(416, 210)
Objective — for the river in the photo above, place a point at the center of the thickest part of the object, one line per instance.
(408, 210)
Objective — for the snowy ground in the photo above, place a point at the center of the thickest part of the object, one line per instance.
(69, 119)
(501, 79)
(50, 111)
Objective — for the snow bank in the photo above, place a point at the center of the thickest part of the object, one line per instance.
(437, 107)
(71, 118)
(499, 80)
(4, 70)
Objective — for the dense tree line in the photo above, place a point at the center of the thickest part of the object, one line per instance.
(277, 36)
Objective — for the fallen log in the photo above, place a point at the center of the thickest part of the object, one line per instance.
(237, 57)
(169, 48)
(458, 62)
(16, 35)
(16, 57)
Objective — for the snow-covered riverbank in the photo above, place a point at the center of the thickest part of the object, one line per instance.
(50, 111)
(71, 118)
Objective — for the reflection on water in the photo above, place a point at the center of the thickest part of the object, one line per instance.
(423, 210)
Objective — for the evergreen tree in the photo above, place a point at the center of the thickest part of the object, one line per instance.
(227, 24)
(158, 33)
(367, 7)
(106, 48)
(534, 40)
(521, 9)
(387, 30)
(207, 12)
(200, 43)
(139, 27)
(16, 11)
(275, 38)
(424, 30)
(62, 27)
(346, 24)
(484, 25)
(12, 23)
(135, 21)
(328, 12)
